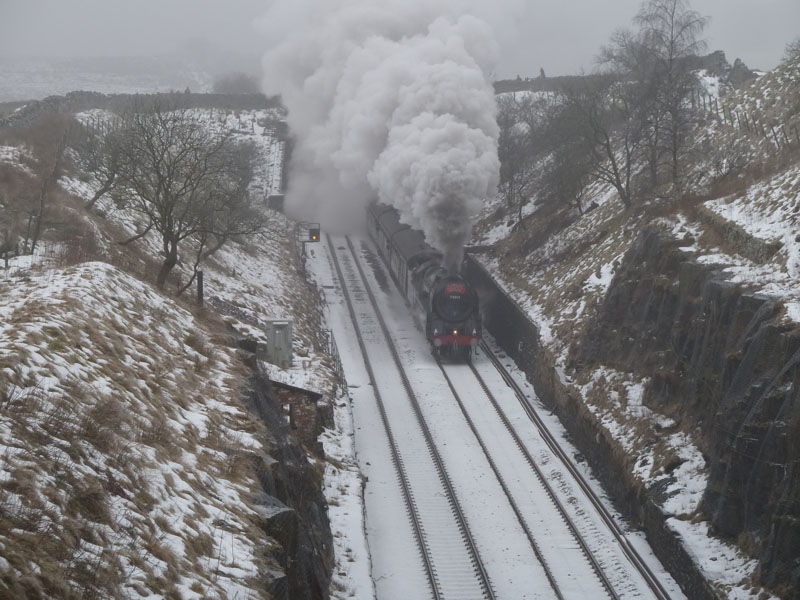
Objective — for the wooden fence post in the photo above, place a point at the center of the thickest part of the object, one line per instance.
(775, 135)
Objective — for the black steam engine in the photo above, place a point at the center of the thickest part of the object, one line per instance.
(450, 305)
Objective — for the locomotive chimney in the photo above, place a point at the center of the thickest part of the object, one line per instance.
(451, 260)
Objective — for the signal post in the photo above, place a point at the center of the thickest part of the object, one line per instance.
(307, 233)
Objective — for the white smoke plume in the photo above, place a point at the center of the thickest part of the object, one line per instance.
(387, 98)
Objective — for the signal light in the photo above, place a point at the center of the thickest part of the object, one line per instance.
(313, 233)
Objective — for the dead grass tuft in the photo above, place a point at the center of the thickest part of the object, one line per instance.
(163, 523)
(157, 432)
(157, 549)
(199, 545)
(104, 424)
(90, 501)
(22, 482)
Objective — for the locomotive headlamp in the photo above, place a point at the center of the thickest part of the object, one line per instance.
(455, 331)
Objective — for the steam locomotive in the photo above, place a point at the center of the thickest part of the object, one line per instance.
(449, 304)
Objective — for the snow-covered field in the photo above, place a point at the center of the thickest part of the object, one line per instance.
(122, 441)
(24, 78)
(142, 394)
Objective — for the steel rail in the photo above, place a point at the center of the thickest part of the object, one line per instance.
(478, 565)
(587, 552)
(534, 545)
(633, 555)
(408, 497)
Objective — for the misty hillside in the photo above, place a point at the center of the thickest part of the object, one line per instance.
(35, 78)
(721, 76)
(657, 318)
(143, 450)
(744, 177)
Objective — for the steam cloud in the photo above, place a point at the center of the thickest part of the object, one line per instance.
(387, 98)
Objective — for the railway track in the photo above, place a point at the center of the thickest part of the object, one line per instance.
(567, 564)
(450, 559)
(634, 557)
(497, 468)
(552, 513)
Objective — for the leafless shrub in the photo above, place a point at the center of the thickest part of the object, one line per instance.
(728, 159)
(123, 455)
(9, 394)
(27, 402)
(95, 575)
(60, 419)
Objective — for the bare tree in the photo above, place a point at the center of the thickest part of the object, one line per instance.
(234, 214)
(47, 141)
(50, 170)
(17, 190)
(670, 33)
(519, 121)
(103, 159)
(604, 116)
(188, 182)
(568, 169)
(627, 59)
(792, 50)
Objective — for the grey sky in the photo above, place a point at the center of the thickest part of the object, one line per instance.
(560, 37)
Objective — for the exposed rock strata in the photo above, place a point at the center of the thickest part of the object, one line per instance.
(719, 359)
(721, 362)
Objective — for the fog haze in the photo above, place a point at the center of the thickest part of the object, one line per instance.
(562, 38)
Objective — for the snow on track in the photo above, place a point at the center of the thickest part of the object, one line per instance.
(507, 555)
